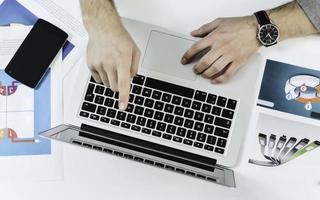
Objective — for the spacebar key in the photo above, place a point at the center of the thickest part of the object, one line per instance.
(169, 87)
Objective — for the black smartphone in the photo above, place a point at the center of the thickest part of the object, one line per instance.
(34, 56)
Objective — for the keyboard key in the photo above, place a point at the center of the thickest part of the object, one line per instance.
(89, 97)
(136, 89)
(191, 134)
(121, 115)
(149, 103)
(101, 110)
(156, 133)
(116, 104)
(146, 131)
(104, 120)
(178, 121)
(90, 88)
(176, 100)
(216, 110)
(211, 139)
(227, 113)
(208, 147)
(111, 113)
(231, 104)
(146, 92)
(177, 139)
(109, 92)
(151, 123)
(135, 128)
(148, 113)
(196, 105)
(158, 105)
(188, 123)
(178, 110)
(138, 79)
(208, 129)
(181, 132)
(198, 126)
(167, 136)
(141, 121)
(168, 108)
(169, 87)
(99, 89)
(109, 102)
(201, 137)
(116, 95)
(158, 115)
(161, 126)
(168, 118)
(138, 110)
(186, 103)
(125, 125)
(199, 116)
(188, 113)
(156, 94)
(198, 144)
(222, 122)
(221, 132)
(206, 108)
(200, 96)
(211, 99)
(88, 107)
(171, 129)
(188, 142)
(219, 150)
(131, 118)
(99, 99)
(84, 114)
(139, 100)
(131, 97)
(95, 117)
(221, 142)
(115, 122)
(166, 97)
(222, 101)
(130, 108)
(208, 119)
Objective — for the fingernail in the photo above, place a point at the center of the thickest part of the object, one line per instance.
(183, 60)
(122, 106)
(214, 81)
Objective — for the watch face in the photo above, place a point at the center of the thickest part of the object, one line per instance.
(268, 34)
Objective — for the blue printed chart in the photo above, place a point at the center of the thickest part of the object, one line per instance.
(23, 112)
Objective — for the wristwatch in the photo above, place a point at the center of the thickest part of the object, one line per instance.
(268, 33)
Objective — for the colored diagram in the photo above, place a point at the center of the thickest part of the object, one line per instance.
(304, 89)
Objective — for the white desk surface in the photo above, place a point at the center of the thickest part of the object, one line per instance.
(92, 175)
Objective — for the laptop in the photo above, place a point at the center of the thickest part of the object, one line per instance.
(175, 120)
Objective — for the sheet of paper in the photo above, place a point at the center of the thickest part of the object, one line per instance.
(24, 113)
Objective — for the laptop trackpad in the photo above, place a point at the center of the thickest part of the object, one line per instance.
(164, 52)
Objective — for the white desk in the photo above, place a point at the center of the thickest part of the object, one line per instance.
(92, 175)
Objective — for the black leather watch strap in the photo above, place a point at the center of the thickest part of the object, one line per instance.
(262, 17)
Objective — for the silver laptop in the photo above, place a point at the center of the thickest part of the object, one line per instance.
(175, 120)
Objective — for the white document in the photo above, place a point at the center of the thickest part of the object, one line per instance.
(17, 117)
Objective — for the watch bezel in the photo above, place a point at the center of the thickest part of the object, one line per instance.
(264, 43)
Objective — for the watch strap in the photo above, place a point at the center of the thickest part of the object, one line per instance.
(262, 17)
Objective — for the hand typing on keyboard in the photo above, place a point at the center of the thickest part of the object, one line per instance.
(112, 55)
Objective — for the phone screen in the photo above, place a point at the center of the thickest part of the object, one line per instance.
(36, 53)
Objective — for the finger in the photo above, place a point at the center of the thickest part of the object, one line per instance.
(104, 78)
(195, 49)
(124, 85)
(216, 67)
(206, 29)
(95, 75)
(232, 69)
(135, 62)
(206, 61)
(112, 77)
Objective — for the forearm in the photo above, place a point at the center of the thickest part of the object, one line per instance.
(291, 20)
(99, 13)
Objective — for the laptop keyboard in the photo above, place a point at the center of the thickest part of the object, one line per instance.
(166, 111)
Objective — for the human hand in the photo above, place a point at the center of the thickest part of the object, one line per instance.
(113, 58)
(230, 43)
